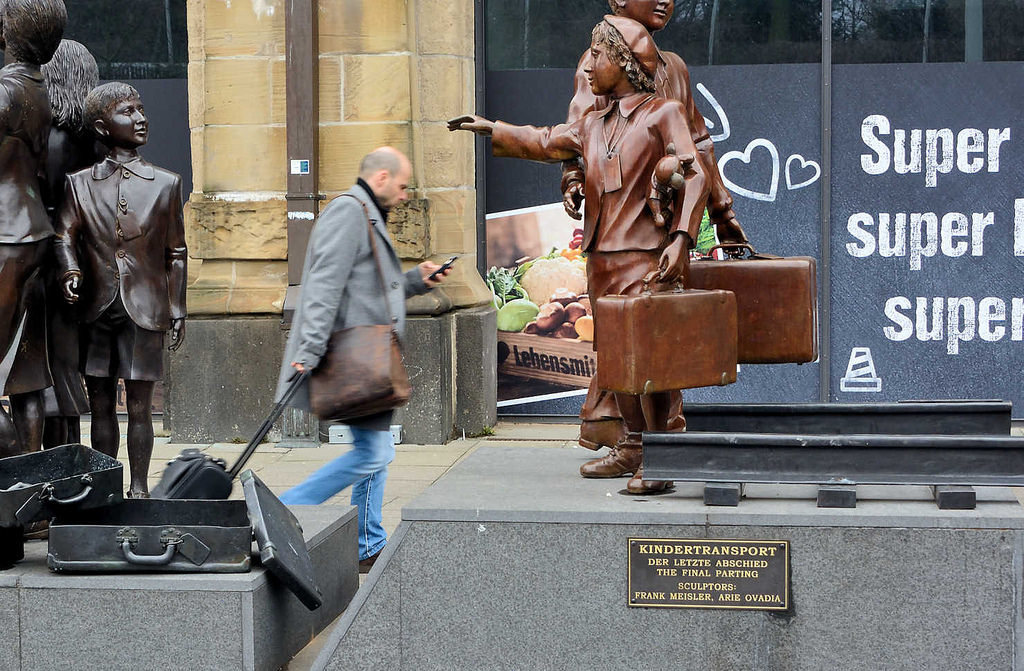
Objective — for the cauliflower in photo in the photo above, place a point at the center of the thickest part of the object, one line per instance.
(545, 275)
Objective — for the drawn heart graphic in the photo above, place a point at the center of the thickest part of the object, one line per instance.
(726, 129)
(804, 163)
(746, 155)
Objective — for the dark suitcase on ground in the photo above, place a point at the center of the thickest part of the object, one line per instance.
(182, 536)
(194, 475)
(664, 341)
(776, 303)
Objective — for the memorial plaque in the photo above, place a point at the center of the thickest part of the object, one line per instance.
(698, 573)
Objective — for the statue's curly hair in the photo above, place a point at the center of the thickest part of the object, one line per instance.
(605, 33)
(69, 76)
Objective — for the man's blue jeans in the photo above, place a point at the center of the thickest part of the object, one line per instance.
(365, 468)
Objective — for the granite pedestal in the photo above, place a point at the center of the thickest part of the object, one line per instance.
(512, 561)
(222, 622)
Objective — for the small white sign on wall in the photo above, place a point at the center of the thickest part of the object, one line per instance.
(300, 166)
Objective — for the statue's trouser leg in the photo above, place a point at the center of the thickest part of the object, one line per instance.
(17, 263)
(27, 410)
(139, 397)
(622, 273)
(103, 408)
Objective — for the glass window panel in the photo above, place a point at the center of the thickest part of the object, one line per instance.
(136, 39)
(528, 34)
(1003, 22)
(897, 31)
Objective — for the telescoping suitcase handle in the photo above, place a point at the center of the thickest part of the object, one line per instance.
(261, 432)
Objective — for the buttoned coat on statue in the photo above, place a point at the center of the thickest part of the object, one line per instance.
(121, 226)
(341, 288)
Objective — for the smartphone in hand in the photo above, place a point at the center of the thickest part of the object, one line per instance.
(444, 266)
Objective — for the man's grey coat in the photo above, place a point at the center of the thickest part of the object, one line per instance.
(341, 287)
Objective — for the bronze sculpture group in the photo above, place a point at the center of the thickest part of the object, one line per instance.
(637, 151)
(92, 246)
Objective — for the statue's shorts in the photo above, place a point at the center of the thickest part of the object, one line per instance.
(115, 346)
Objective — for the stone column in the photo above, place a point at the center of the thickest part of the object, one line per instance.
(391, 72)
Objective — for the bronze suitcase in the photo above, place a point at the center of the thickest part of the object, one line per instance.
(653, 342)
(776, 302)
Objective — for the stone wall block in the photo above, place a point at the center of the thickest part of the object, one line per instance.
(196, 94)
(225, 287)
(237, 91)
(445, 27)
(447, 157)
(330, 90)
(377, 88)
(409, 226)
(363, 27)
(244, 158)
(195, 25)
(197, 137)
(244, 28)
(453, 214)
(342, 147)
(444, 90)
(227, 229)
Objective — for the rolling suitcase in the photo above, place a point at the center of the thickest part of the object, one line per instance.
(776, 303)
(194, 475)
(665, 341)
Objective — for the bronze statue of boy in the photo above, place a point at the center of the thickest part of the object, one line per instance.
(121, 249)
(631, 238)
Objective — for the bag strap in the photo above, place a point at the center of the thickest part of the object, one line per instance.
(376, 259)
(261, 433)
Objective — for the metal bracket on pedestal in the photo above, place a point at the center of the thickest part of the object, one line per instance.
(949, 464)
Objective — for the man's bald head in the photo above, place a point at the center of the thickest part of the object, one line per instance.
(382, 158)
(387, 171)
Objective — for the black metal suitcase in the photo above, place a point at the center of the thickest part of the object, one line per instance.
(187, 536)
(194, 475)
(36, 486)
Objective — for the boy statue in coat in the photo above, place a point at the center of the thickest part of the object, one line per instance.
(121, 249)
(642, 222)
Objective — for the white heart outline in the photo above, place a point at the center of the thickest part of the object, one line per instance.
(803, 164)
(726, 128)
(745, 156)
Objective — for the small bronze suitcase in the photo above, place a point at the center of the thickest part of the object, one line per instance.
(653, 342)
(776, 302)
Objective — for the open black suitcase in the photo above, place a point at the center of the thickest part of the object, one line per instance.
(39, 485)
(187, 536)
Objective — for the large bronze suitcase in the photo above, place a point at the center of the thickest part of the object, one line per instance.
(776, 302)
(653, 342)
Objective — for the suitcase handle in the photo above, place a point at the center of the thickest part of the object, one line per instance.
(77, 498)
(150, 560)
(751, 252)
(293, 385)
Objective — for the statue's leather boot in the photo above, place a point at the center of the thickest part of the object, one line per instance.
(621, 460)
(637, 484)
(598, 433)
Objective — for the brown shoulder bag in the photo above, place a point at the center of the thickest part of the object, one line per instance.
(361, 373)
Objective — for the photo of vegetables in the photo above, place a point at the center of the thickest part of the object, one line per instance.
(538, 282)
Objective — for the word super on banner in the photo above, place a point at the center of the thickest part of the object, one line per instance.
(928, 232)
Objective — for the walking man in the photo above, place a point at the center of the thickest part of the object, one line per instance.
(341, 288)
